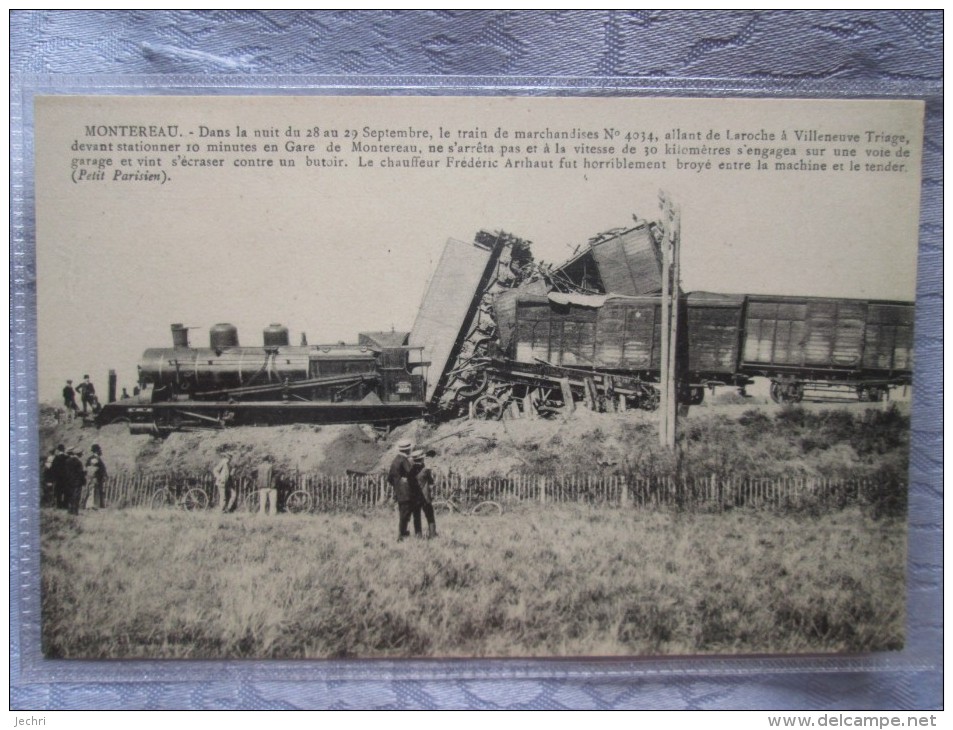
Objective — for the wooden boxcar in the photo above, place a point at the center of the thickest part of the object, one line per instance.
(824, 342)
(796, 342)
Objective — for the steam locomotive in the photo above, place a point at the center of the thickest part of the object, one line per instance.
(184, 387)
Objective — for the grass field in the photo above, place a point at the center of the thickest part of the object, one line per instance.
(540, 580)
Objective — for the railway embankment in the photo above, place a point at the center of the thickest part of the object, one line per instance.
(761, 440)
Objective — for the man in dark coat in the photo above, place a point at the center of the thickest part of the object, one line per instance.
(399, 477)
(58, 476)
(423, 480)
(87, 393)
(69, 400)
(75, 479)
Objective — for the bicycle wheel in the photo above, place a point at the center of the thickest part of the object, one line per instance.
(251, 502)
(487, 509)
(195, 499)
(442, 507)
(298, 502)
(162, 499)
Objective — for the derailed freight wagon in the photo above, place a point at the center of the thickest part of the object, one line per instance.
(606, 348)
(610, 345)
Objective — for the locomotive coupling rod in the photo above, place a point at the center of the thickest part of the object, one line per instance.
(216, 421)
(299, 384)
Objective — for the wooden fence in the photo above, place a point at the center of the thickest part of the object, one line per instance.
(335, 493)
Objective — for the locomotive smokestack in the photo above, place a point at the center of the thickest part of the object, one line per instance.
(180, 335)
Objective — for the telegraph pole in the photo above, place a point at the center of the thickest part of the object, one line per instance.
(671, 287)
(666, 330)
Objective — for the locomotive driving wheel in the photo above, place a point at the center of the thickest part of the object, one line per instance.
(488, 408)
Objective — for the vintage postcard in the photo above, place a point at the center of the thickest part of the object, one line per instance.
(363, 377)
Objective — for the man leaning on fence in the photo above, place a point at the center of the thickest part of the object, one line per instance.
(267, 493)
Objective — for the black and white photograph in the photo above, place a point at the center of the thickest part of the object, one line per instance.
(356, 377)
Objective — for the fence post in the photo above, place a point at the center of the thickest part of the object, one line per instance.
(542, 489)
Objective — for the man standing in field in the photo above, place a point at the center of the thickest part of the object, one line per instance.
(58, 474)
(266, 488)
(423, 480)
(222, 473)
(75, 479)
(399, 476)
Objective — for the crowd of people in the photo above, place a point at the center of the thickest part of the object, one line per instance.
(66, 475)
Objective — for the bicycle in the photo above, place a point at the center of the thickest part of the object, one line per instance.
(193, 500)
(486, 508)
(298, 502)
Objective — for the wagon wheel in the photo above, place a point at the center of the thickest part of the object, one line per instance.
(775, 391)
(790, 392)
(488, 408)
(650, 399)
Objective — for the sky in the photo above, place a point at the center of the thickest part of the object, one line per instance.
(335, 252)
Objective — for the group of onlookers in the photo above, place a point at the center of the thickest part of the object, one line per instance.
(87, 395)
(66, 475)
(267, 483)
(413, 484)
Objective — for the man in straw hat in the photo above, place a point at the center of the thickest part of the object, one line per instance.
(423, 481)
(399, 477)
